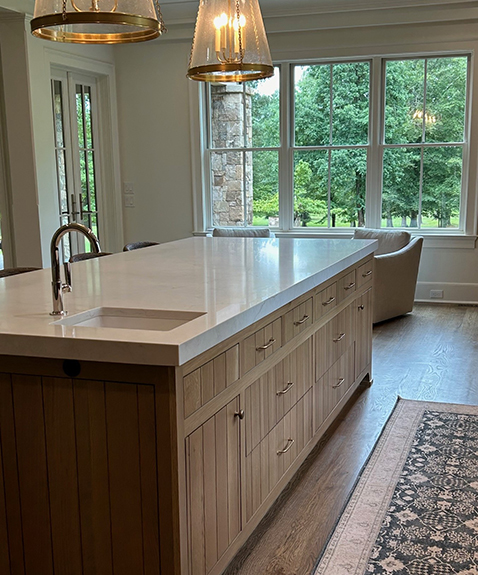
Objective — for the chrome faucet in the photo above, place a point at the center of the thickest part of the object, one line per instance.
(57, 285)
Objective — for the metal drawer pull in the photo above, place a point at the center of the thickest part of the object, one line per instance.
(303, 320)
(340, 338)
(340, 382)
(350, 286)
(267, 345)
(361, 307)
(240, 414)
(290, 443)
(329, 301)
(290, 385)
(366, 274)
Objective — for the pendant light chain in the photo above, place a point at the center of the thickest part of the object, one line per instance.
(239, 31)
(159, 15)
(64, 10)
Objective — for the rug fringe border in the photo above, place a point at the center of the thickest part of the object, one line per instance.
(349, 496)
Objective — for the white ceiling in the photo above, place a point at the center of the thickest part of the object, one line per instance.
(176, 11)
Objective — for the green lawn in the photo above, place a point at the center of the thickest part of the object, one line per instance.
(315, 222)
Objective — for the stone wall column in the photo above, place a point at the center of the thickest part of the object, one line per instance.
(231, 171)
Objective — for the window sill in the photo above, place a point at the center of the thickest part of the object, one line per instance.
(431, 240)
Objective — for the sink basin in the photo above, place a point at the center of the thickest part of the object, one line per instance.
(125, 318)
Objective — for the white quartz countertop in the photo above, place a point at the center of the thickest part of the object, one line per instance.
(231, 282)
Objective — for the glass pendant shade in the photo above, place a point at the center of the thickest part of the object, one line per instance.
(230, 43)
(97, 21)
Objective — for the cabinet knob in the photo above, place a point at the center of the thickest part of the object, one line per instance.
(361, 307)
(240, 414)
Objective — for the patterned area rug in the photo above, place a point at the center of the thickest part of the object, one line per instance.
(414, 510)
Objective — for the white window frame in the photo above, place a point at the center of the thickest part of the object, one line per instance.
(438, 237)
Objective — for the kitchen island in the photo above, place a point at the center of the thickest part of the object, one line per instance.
(151, 429)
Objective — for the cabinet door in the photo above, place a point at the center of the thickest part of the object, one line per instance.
(363, 340)
(334, 339)
(79, 473)
(214, 488)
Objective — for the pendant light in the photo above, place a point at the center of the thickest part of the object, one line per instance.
(230, 43)
(97, 21)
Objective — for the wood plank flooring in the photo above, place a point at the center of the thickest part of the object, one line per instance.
(431, 354)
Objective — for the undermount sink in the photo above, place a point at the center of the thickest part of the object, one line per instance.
(125, 318)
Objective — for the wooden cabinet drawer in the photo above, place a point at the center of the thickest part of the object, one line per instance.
(210, 379)
(332, 386)
(297, 319)
(333, 339)
(346, 286)
(260, 345)
(325, 301)
(271, 396)
(365, 273)
(270, 460)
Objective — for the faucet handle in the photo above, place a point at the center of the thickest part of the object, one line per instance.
(67, 285)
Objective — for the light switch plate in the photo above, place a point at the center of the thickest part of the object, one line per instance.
(129, 200)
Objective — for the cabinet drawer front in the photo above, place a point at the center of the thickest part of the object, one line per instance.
(271, 396)
(333, 339)
(297, 319)
(346, 286)
(271, 459)
(210, 379)
(365, 273)
(325, 301)
(331, 387)
(260, 345)
(213, 488)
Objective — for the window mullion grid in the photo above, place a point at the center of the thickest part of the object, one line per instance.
(329, 179)
(467, 224)
(286, 151)
(244, 156)
(422, 149)
(373, 198)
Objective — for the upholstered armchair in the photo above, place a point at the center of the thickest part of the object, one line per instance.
(396, 269)
(242, 233)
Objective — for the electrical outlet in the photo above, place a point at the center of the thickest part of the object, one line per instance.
(128, 200)
(436, 293)
(128, 187)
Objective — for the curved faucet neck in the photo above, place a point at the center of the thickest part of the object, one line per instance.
(57, 285)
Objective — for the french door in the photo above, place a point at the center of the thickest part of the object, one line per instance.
(76, 153)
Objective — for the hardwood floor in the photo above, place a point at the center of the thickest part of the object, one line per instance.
(431, 354)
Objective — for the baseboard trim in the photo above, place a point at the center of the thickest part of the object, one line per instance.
(458, 293)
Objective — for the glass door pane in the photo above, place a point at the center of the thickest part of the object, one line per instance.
(75, 151)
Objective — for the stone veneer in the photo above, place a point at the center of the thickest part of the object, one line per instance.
(229, 123)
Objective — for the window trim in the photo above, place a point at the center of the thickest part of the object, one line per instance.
(465, 236)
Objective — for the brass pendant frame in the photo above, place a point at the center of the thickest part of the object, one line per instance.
(41, 27)
(212, 72)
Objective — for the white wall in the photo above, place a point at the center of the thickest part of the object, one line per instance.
(155, 118)
(20, 174)
(41, 55)
(155, 139)
(155, 129)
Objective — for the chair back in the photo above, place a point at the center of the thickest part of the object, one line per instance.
(388, 240)
(15, 271)
(242, 233)
(139, 245)
(87, 256)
